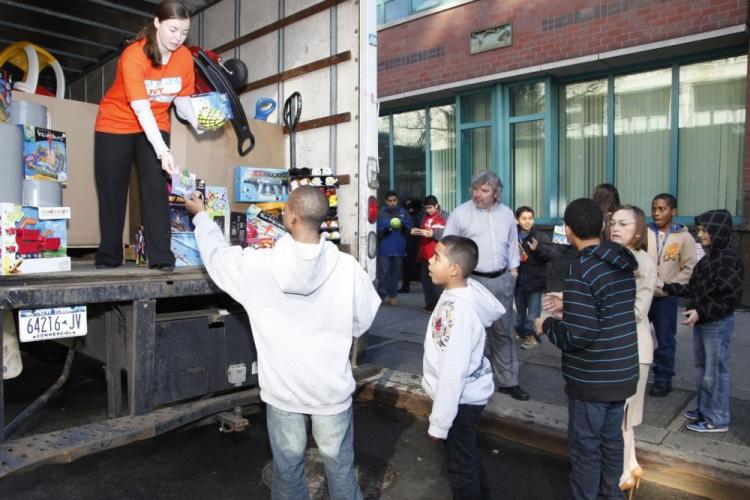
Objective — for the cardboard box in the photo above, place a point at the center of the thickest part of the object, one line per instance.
(253, 184)
(217, 206)
(185, 249)
(45, 154)
(34, 240)
(5, 96)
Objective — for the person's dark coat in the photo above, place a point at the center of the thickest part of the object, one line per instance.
(531, 273)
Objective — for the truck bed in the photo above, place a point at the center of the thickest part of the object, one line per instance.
(84, 284)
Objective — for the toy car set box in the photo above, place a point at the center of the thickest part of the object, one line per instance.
(263, 229)
(34, 240)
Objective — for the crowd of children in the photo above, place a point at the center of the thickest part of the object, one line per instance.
(625, 279)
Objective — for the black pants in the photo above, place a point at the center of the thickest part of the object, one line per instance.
(465, 470)
(431, 290)
(113, 157)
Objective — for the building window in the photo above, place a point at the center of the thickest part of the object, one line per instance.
(417, 154)
(443, 155)
(476, 133)
(646, 147)
(583, 139)
(711, 135)
(393, 10)
(409, 161)
(642, 135)
(527, 99)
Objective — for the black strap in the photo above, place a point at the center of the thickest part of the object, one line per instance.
(493, 274)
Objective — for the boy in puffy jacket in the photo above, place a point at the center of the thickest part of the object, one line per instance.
(430, 231)
(393, 225)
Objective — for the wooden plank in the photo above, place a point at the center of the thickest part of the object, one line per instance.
(326, 121)
(276, 25)
(298, 71)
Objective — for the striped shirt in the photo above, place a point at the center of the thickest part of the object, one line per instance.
(597, 334)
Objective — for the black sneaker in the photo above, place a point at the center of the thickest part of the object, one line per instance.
(164, 269)
(660, 391)
(515, 392)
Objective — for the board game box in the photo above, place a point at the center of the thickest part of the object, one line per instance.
(33, 240)
(45, 154)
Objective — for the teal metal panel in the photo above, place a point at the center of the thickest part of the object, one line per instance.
(674, 151)
(610, 177)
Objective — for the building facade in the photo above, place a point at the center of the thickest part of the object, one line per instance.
(557, 96)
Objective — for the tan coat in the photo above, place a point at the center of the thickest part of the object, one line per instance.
(645, 284)
(676, 257)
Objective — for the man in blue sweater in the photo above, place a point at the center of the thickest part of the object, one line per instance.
(595, 329)
(394, 224)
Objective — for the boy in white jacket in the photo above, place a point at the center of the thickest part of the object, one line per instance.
(306, 301)
(456, 374)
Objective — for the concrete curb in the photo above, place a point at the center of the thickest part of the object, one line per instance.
(679, 461)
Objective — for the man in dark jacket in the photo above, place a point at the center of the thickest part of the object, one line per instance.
(714, 292)
(393, 225)
(597, 335)
(535, 249)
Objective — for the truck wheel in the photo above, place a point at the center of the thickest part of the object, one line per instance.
(237, 72)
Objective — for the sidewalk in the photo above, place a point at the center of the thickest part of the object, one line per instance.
(715, 465)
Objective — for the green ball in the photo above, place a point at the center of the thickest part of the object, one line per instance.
(211, 119)
(396, 223)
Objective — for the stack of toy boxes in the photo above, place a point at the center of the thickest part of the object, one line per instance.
(268, 190)
(183, 244)
(34, 239)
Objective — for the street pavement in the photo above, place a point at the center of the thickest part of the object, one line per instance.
(396, 461)
(395, 342)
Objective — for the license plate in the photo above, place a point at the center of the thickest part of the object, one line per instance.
(52, 323)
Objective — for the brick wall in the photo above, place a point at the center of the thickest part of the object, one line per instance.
(434, 50)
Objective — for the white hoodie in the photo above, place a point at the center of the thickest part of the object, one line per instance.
(455, 370)
(305, 303)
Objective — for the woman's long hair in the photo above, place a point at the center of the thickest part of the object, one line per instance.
(169, 9)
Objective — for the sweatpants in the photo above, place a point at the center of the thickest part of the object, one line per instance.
(113, 159)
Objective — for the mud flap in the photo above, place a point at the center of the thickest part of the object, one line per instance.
(12, 365)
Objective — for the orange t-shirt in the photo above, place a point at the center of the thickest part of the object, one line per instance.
(137, 79)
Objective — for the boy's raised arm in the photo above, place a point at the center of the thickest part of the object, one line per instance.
(223, 262)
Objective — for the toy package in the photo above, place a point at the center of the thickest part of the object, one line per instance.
(33, 240)
(179, 219)
(263, 229)
(185, 249)
(558, 235)
(186, 183)
(260, 184)
(217, 206)
(238, 228)
(6, 88)
(45, 154)
(140, 248)
(212, 109)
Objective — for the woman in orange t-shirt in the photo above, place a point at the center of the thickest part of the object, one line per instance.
(134, 124)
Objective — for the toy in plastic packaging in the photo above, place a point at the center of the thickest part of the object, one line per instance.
(212, 109)
(256, 185)
(559, 237)
(217, 206)
(140, 248)
(45, 154)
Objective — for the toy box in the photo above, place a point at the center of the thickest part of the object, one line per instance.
(34, 240)
(211, 109)
(5, 96)
(238, 228)
(253, 184)
(263, 229)
(185, 250)
(45, 154)
(217, 206)
(179, 219)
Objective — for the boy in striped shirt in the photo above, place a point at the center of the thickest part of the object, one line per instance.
(594, 327)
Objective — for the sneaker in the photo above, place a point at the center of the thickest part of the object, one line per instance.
(515, 392)
(517, 337)
(426, 310)
(703, 426)
(531, 342)
(692, 415)
(660, 391)
(392, 301)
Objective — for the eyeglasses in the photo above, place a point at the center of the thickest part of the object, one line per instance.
(621, 223)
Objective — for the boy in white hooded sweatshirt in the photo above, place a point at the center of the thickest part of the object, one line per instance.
(306, 301)
(456, 374)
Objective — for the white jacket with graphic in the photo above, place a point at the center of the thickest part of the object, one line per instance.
(305, 303)
(455, 370)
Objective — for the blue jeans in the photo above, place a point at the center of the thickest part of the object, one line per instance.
(663, 314)
(528, 308)
(334, 435)
(388, 273)
(711, 351)
(595, 445)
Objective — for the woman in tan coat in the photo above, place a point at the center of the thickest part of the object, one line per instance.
(627, 226)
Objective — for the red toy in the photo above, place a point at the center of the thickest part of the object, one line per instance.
(32, 242)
